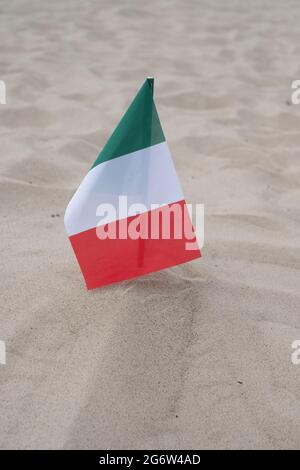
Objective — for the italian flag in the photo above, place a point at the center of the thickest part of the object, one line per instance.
(135, 167)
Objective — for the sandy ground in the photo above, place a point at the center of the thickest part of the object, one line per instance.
(198, 356)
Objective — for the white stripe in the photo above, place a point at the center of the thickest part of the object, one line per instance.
(146, 177)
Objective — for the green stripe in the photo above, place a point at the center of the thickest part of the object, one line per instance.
(139, 128)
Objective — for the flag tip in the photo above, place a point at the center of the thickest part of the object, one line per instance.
(150, 81)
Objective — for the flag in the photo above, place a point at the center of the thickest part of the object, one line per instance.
(128, 217)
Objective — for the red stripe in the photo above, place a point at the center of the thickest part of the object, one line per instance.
(112, 260)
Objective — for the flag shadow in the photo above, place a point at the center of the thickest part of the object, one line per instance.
(141, 362)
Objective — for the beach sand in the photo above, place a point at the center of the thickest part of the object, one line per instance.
(197, 356)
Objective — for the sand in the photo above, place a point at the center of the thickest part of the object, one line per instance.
(197, 356)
